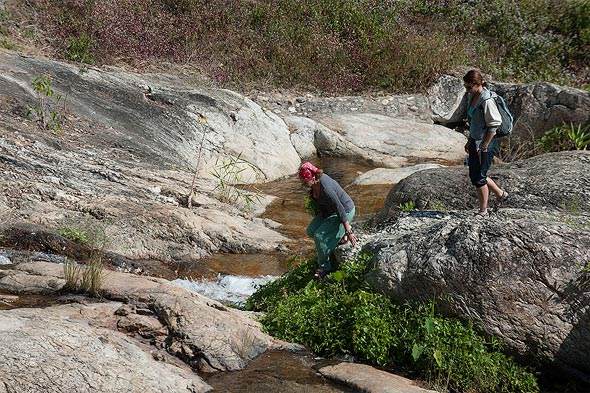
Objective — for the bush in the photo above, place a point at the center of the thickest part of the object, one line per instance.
(80, 49)
(46, 111)
(343, 315)
(334, 45)
(566, 137)
(77, 235)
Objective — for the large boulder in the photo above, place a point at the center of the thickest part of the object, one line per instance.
(201, 332)
(161, 118)
(520, 275)
(72, 348)
(537, 107)
(445, 98)
(387, 141)
(548, 181)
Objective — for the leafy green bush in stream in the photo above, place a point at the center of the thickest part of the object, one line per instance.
(342, 315)
(271, 293)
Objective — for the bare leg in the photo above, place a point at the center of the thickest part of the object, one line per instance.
(494, 188)
(482, 196)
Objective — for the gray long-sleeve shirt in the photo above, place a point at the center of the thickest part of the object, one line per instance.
(333, 199)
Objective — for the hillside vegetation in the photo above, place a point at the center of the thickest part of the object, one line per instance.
(330, 45)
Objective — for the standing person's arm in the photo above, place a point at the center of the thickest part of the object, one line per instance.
(493, 121)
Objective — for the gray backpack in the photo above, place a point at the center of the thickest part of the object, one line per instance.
(505, 128)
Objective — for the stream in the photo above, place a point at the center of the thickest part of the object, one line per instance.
(231, 278)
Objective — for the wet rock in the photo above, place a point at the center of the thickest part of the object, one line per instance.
(66, 348)
(520, 275)
(367, 379)
(384, 140)
(548, 181)
(203, 333)
(390, 176)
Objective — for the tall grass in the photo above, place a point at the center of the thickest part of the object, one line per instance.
(333, 45)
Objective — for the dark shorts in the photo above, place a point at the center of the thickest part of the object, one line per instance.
(479, 163)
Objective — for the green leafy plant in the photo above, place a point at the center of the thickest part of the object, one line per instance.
(47, 99)
(407, 206)
(310, 206)
(580, 136)
(566, 137)
(74, 234)
(80, 49)
(342, 314)
(229, 173)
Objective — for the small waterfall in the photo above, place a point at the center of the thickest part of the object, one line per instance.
(227, 289)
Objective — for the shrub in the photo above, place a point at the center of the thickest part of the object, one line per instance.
(77, 235)
(229, 173)
(343, 315)
(45, 111)
(334, 45)
(566, 137)
(80, 49)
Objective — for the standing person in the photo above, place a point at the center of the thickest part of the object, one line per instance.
(484, 119)
(331, 225)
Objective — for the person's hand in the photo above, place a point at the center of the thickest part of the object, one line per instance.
(483, 148)
(352, 238)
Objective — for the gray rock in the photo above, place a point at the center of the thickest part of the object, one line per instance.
(520, 275)
(5, 260)
(390, 176)
(67, 348)
(548, 181)
(445, 97)
(159, 118)
(367, 379)
(538, 107)
(302, 136)
(387, 141)
(201, 332)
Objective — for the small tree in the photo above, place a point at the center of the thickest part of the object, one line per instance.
(47, 118)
